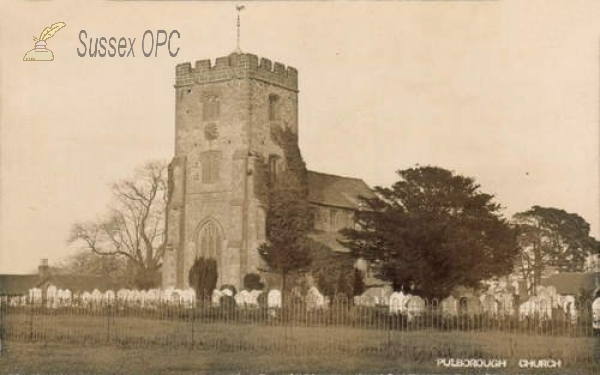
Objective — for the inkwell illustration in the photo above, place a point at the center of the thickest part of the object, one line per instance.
(40, 52)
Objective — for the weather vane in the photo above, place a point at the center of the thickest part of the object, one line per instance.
(239, 8)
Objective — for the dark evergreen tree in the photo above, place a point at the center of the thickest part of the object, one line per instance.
(288, 249)
(358, 283)
(252, 282)
(203, 277)
(433, 230)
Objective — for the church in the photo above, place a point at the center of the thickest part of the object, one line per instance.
(224, 114)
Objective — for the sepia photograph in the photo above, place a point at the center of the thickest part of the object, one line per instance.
(300, 187)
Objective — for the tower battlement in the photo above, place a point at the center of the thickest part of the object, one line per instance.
(236, 65)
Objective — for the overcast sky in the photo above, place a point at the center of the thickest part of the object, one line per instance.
(504, 91)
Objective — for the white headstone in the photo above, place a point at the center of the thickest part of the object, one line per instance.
(397, 303)
(108, 298)
(122, 295)
(506, 303)
(52, 296)
(97, 297)
(215, 298)
(545, 307)
(449, 306)
(253, 298)
(570, 308)
(415, 306)
(175, 298)
(86, 298)
(188, 297)
(241, 299)
(596, 313)
(314, 299)
(35, 296)
(274, 299)
(489, 305)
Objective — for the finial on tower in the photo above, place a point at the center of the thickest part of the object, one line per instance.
(239, 8)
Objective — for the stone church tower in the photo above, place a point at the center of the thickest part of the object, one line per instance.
(223, 117)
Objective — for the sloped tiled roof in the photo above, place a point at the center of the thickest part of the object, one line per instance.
(17, 284)
(571, 282)
(331, 190)
(329, 239)
(20, 284)
(82, 283)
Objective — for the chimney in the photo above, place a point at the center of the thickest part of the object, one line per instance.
(43, 270)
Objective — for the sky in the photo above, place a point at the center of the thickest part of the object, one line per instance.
(506, 92)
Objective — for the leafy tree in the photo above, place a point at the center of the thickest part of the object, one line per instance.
(552, 237)
(288, 249)
(333, 272)
(203, 277)
(134, 226)
(431, 231)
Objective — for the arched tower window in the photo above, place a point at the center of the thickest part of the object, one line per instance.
(274, 108)
(211, 161)
(211, 107)
(210, 240)
(273, 168)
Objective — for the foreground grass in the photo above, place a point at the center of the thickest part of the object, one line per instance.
(39, 358)
(130, 345)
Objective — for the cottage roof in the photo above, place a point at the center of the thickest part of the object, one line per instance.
(331, 190)
(20, 284)
(81, 283)
(17, 284)
(571, 282)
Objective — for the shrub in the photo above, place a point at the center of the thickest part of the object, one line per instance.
(252, 282)
(203, 277)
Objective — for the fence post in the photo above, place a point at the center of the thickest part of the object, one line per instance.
(389, 333)
(31, 315)
(193, 311)
(108, 325)
(3, 307)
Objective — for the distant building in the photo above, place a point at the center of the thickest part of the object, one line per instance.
(572, 283)
(21, 284)
(224, 116)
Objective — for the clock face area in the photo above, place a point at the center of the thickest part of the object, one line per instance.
(211, 131)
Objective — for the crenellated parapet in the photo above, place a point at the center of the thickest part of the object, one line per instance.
(235, 66)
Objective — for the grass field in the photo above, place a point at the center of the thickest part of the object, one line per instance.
(53, 358)
(63, 343)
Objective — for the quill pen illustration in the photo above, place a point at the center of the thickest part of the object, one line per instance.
(50, 31)
(40, 52)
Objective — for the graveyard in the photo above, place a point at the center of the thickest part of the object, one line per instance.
(228, 331)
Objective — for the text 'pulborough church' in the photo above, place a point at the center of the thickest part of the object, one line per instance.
(224, 116)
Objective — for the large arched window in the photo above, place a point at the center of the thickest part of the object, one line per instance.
(210, 240)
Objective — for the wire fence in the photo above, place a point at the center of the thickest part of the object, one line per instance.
(301, 328)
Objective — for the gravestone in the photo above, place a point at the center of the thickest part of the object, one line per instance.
(449, 306)
(397, 300)
(314, 299)
(274, 299)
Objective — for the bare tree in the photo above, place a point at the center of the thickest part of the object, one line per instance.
(134, 226)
